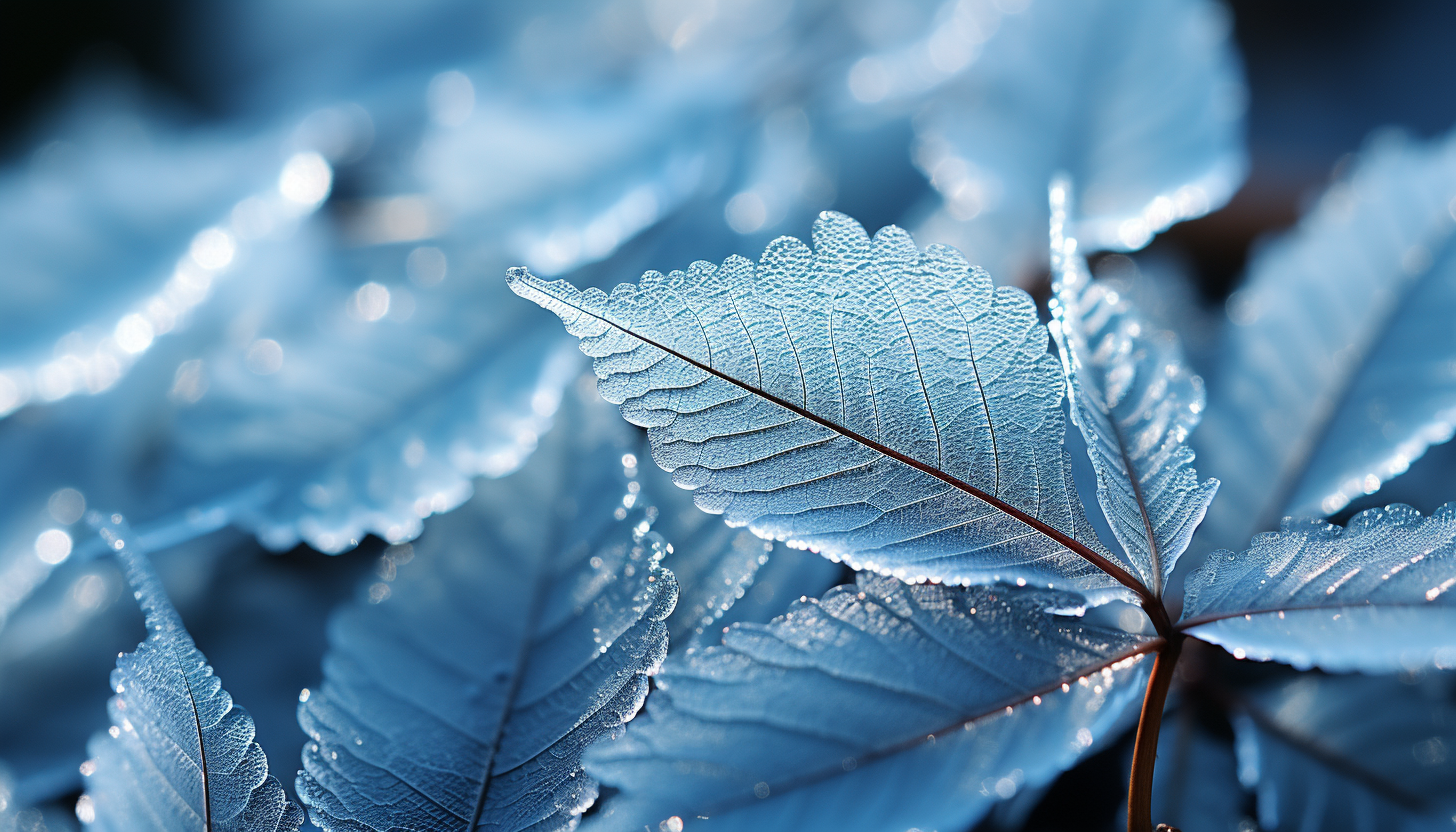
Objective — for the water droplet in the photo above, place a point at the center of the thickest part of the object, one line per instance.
(264, 356)
(370, 302)
(306, 180)
(53, 546)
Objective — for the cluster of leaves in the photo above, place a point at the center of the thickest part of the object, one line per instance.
(1023, 592)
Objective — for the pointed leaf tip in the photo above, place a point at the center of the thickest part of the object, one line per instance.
(1135, 401)
(180, 754)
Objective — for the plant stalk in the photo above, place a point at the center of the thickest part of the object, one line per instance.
(1145, 746)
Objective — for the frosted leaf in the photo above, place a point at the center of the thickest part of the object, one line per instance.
(879, 404)
(1135, 401)
(114, 236)
(722, 571)
(1336, 368)
(873, 708)
(179, 756)
(1374, 596)
(462, 694)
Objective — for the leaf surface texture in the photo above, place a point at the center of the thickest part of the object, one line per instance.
(1135, 401)
(881, 705)
(1374, 596)
(179, 756)
(885, 406)
(525, 628)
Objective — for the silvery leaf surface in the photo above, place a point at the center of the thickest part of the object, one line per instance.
(884, 406)
(1350, 754)
(1135, 401)
(1336, 369)
(1141, 103)
(1373, 596)
(883, 705)
(460, 694)
(180, 755)
(715, 564)
(724, 574)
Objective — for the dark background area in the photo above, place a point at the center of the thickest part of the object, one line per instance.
(1322, 76)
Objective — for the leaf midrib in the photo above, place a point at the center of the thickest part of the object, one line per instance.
(1073, 545)
(803, 781)
(518, 672)
(145, 580)
(1211, 618)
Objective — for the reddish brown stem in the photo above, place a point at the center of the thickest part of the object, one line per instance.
(1145, 747)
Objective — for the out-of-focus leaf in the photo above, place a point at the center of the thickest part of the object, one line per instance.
(461, 694)
(1142, 103)
(9, 805)
(1349, 754)
(1336, 369)
(882, 405)
(15, 816)
(116, 231)
(884, 705)
(354, 376)
(179, 755)
(1374, 596)
(1135, 402)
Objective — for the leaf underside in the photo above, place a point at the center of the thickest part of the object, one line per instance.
(883, 705)
(1374, 596)
(524, 628)
(180, 756)
(885, 406)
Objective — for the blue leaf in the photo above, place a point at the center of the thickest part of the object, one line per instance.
(462, 694)
(722, 571)
(714, 564)
(1135, 402)
(882, 405)
(1142, 103)
(1374, 596)
(18, 816)
(179, 755)
(1336, 365)
(114, 237)
(885, 705)
(1349, 754)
